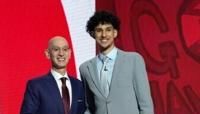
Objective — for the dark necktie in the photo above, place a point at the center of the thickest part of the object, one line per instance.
(65, 96)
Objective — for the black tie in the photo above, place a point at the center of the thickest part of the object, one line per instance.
(65, 96)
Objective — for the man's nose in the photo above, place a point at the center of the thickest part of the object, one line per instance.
(103, 33)
(61, 52)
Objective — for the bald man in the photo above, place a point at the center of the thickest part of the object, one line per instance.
(44, 95)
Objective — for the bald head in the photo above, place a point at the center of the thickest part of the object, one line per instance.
(58, 52)
(57, 40)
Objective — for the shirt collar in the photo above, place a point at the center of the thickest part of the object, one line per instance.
(57, 75)
(111, 55)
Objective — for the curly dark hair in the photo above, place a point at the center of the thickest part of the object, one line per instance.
(102, 17)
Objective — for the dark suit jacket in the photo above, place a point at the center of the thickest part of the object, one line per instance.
(42, 97)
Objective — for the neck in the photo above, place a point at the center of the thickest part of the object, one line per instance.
(61, 71)
(107, 50)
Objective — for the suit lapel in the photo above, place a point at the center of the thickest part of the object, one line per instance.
(74, 95)
(56, 97)
(118, 63)
(92, 67)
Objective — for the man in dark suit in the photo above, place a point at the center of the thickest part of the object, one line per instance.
(55, 92)
(116, 81)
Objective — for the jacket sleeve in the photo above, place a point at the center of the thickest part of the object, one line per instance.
(141, 85)
(89, 99)
(30, 102)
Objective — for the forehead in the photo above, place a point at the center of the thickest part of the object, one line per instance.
(105, 25)
(58, 43)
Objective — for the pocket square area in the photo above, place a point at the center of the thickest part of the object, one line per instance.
(79, 100)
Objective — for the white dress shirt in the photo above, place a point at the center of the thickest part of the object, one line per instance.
(57, 76)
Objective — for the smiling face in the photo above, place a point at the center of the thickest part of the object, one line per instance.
(58, 52)
(105, 35)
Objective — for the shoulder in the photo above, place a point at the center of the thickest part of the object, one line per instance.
(132, 58)
(132, 55)
(76, 82)
(85, 64)
(74, 79)
(37, 85)
(38, 80)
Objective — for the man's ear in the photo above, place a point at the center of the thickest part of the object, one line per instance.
(46, 52)
(115, 33)
(70, 53)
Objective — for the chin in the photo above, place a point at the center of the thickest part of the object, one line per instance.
(104, 46)
(60, 66)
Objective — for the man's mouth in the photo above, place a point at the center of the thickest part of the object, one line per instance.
(61, 59)
(104, 40)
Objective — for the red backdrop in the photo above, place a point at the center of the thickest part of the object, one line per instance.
(25, 28)
(167, 34)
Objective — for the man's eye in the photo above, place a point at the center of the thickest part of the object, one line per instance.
(55, 49)
(65, 49)
(109, 29)
(98, 30)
